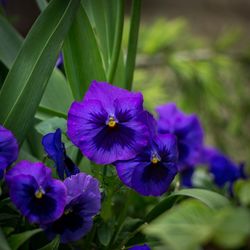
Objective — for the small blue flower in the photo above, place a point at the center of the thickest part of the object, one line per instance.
(8, 149)
(154, 168)
(35, 193)
(52, 144)
(223, 169)
(188, 132)
(83, 202)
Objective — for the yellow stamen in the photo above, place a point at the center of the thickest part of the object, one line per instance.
(111, 122)
(155, 160)
(39, 194)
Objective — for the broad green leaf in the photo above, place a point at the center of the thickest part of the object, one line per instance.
(10, 43)
(24, 86)
(53, 245)
(82, 59)
(232, 227)
(51, 125)
(16, 240)
(3, 242)
(185, 227)
(57, 96)
(211, 199)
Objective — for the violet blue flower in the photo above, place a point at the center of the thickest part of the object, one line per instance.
(83, 202)
(107, 125)
(154, 168)
(186, 128)
(141, 247)
(35, 193)
(222, 168)
(54, 147)
(8, 149)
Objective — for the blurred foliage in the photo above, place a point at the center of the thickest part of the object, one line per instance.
(210, 78)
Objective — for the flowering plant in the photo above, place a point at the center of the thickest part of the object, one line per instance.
(84, 165)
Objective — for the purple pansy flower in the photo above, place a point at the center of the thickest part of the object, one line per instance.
(54, 147)
(8, 149)
(107, 125)
(35, 193)
(222, 168)
(186, 128)
(154, 168)
(141, 247)
(83, 202)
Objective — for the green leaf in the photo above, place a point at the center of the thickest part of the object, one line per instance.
(24, 86)
(4, 244)
(103, 17)
(242, 191)
(104, 234)
(132, 42)
(53, 245)
(16, 240)
(10, 43)
(211, 199)
(231, 227)
(183, 228)
(51, 125)
(42, 4)
(57, 96)
(82, 59)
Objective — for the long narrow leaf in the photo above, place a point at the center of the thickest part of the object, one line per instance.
(27, 79)
(82, 59)
(10, 42)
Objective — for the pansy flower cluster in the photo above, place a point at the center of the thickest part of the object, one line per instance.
(109, 126)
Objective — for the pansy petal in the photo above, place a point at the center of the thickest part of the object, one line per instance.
(81, 183)
(125, 169)
(8, 148)
(37, 170)
(153, 180)
(108, 93)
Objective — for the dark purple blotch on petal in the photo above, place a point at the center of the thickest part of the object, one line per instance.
(83, 202)
(55, 148)
(35, 193)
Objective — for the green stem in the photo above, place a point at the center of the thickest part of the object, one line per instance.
(132, 43)
(117, 42)
(121, 219)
